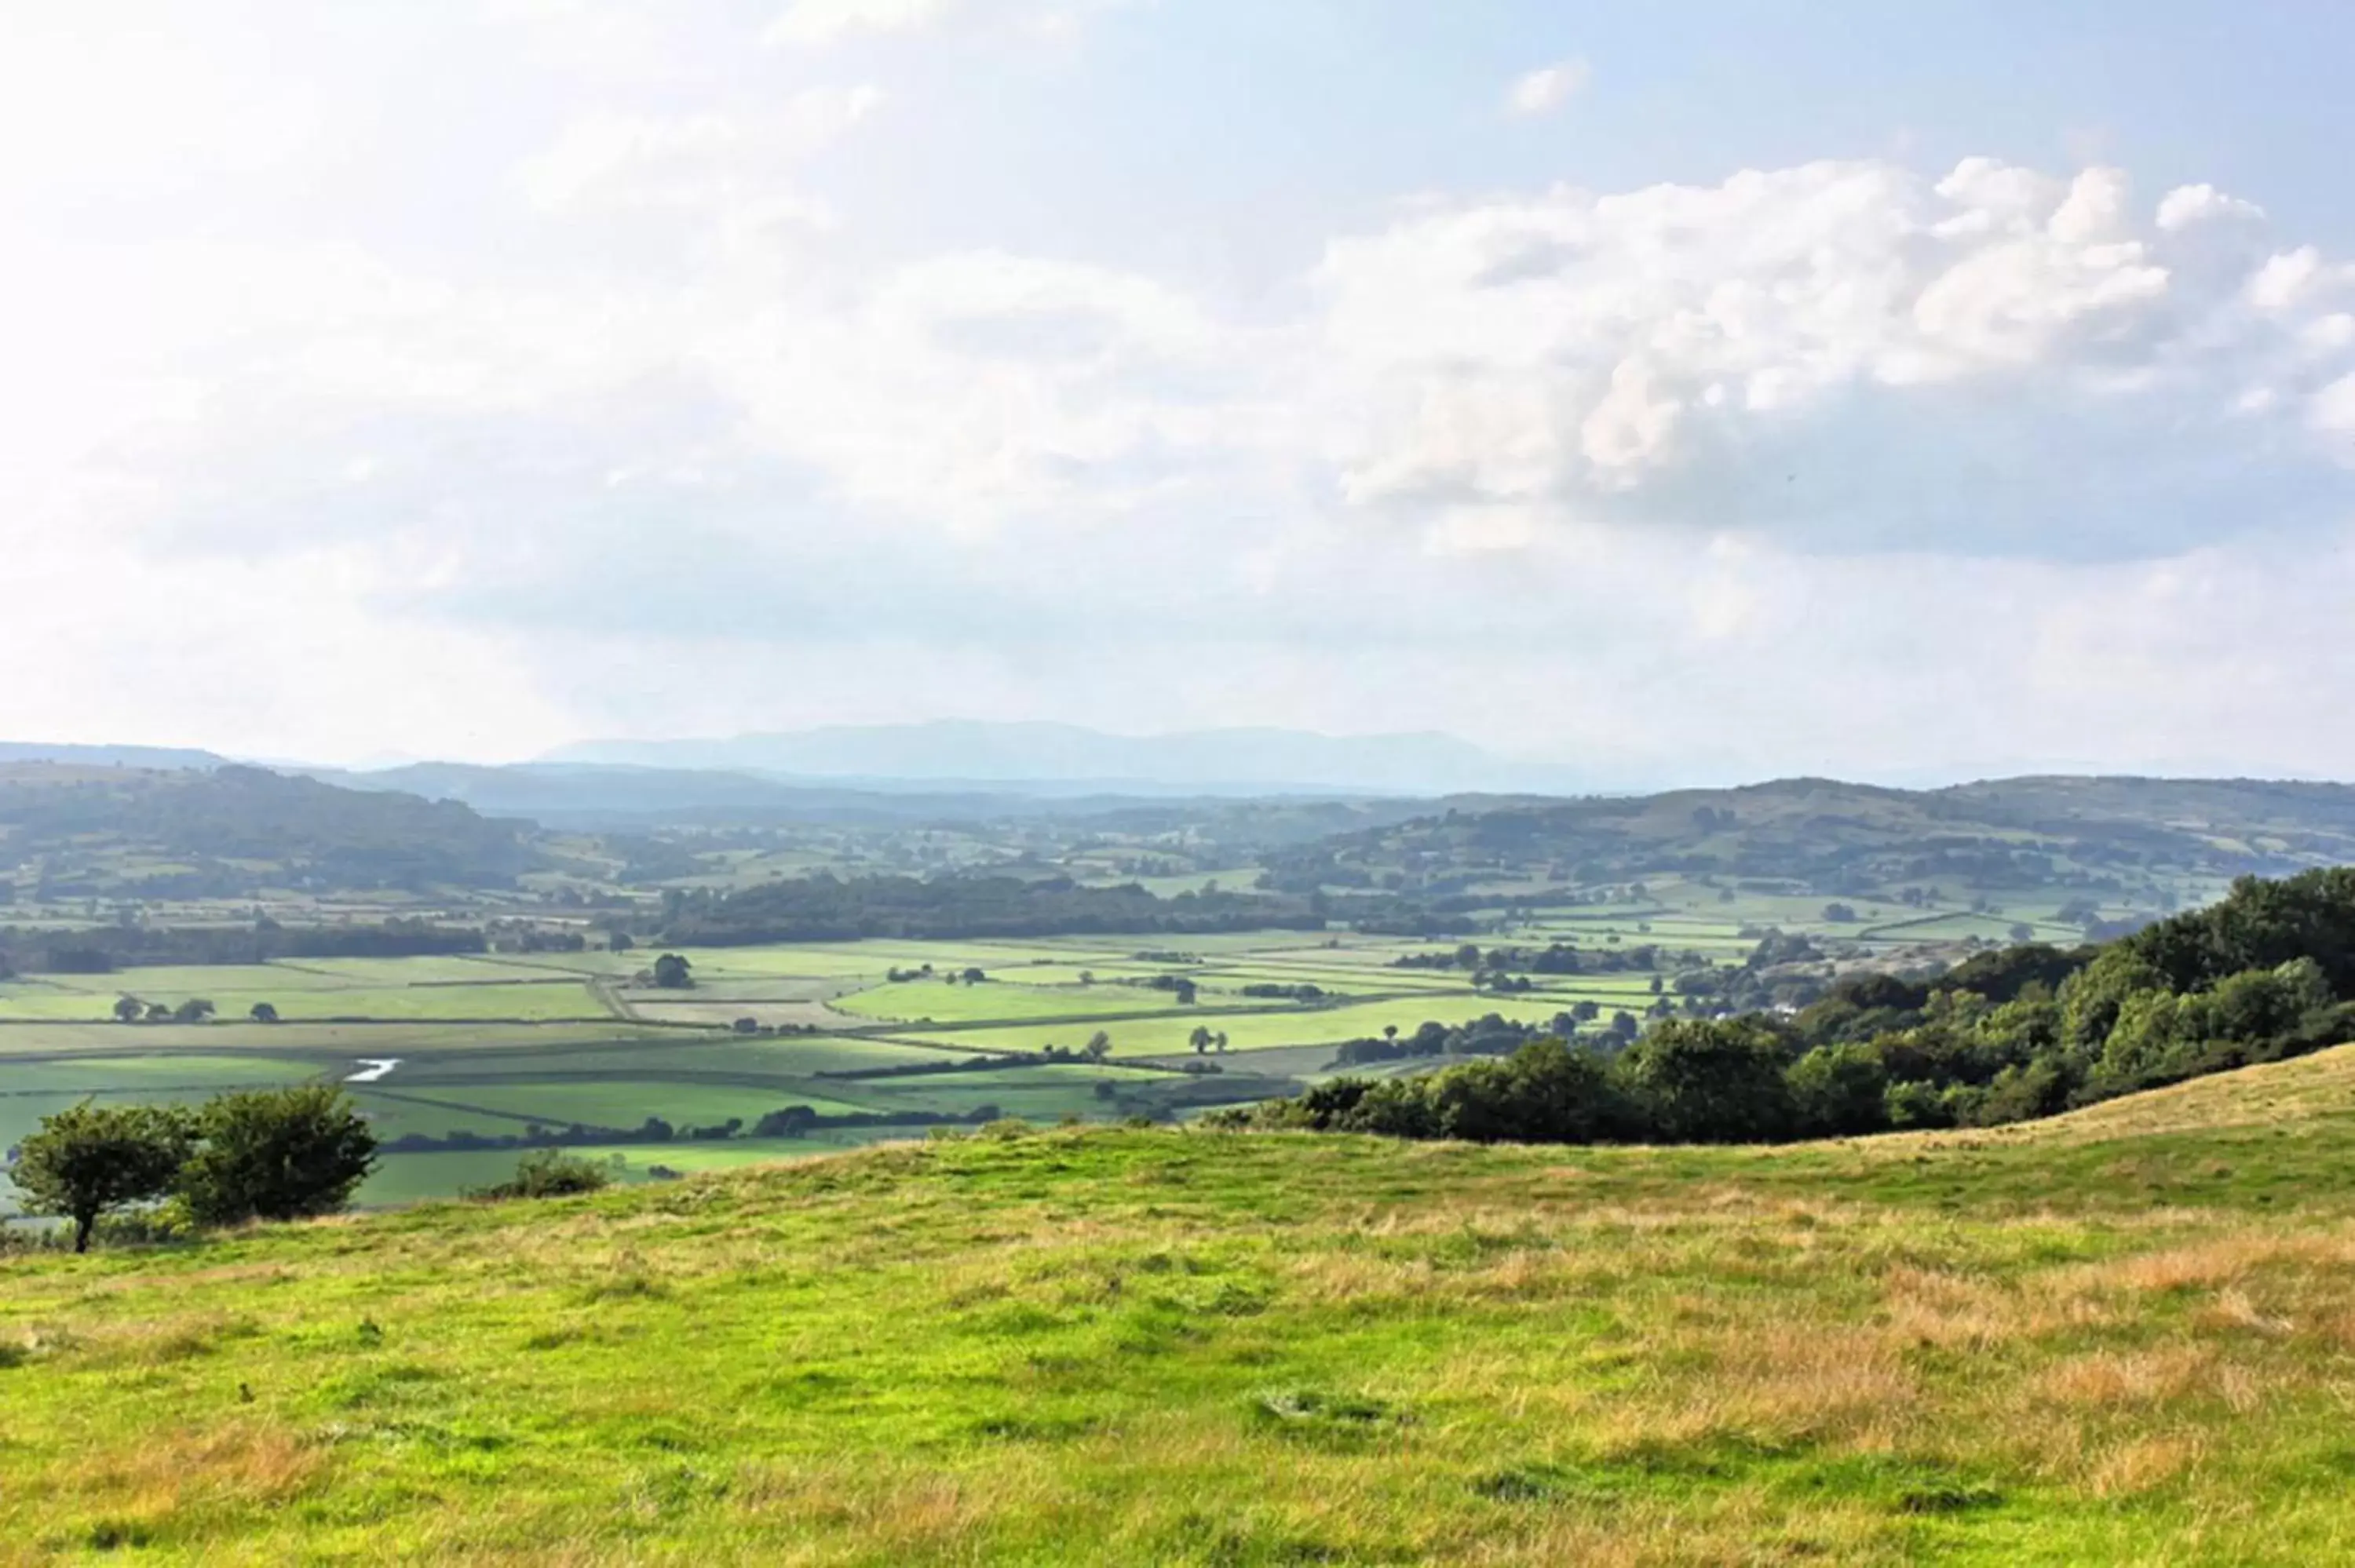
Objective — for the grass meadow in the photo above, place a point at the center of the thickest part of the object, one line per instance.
(2122, 1336)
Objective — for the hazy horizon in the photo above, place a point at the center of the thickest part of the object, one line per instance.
(1720, 393)
(1434, 764)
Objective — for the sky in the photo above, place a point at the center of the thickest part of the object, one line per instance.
(1682, 392)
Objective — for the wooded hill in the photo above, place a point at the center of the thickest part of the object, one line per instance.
(69, 830)
(1822, 836)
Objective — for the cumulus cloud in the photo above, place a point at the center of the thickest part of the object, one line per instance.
(1547, 89)
(1843, 355)
(2186, 205)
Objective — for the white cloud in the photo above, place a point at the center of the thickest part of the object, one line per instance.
(1838, 353)
(1546, 90)
(2186, 205)
(628, 426)
(708, 161)
(2333, 411)
(825, 21)
(811, 23)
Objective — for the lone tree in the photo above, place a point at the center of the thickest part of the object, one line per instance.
(196, 1010)
(673, 973)
(128, 1010)
(263, 1013)
(90, 1159)
(1097, 1047)
(1201, 1039)
(277, 1154)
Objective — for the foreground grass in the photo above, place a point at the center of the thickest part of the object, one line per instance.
(2107, 1341)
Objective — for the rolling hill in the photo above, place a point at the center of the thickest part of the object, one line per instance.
(107, 831)
(1827, 837)
(2099, 1341)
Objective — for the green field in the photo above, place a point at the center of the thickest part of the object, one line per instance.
(937, 1002)
(1166, 1034)
(564, 1037)
(505, 1105)
(2119, 1336)
(418, 1177)
(488, 1045)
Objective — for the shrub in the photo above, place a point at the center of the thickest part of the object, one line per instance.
(277, 1154)
(548, 1173)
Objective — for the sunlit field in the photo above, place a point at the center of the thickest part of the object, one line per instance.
(490, 1046)
(2119, 1336)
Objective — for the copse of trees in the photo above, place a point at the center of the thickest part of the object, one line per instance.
(2010, 1035)
(274, 1154)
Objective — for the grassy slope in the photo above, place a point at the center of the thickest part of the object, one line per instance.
(2121, 1336)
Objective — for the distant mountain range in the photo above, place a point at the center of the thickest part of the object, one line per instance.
(157, 757)
(965, 753)
(949, 756)
(605, 796)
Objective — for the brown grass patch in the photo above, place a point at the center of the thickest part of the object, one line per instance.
(2144, 1464)
(2233, 1311)
(900, 1515)
(2109, 1380)
(240, 1465)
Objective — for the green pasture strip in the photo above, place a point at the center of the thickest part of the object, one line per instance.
(66, 1075)
(483, 1001)
(330, 1042)
(991, 1002)
(401, 972)
(404, 1179)
(1166, 1035)
(796, 1056)
(177, 983)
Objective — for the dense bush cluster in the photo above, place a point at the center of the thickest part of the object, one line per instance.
(2010, 1035)
(548, 1173)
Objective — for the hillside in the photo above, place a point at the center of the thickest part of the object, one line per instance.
(2104, 837)
(2081, 1343)
(70, 830)
(2303, 1097)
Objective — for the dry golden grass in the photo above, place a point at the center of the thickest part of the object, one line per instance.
(2276, 1095)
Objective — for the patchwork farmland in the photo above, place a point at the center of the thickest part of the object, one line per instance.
(873, 1040)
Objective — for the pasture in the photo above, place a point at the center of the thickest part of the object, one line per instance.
(2120, 1336)
(488, 1045)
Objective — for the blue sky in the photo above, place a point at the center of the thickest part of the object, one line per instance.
(1679, 392)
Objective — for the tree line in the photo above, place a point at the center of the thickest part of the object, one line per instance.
(2009, 1035)
(102, 949)
(829, 908)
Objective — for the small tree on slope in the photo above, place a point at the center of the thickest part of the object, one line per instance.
(92, 1159)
